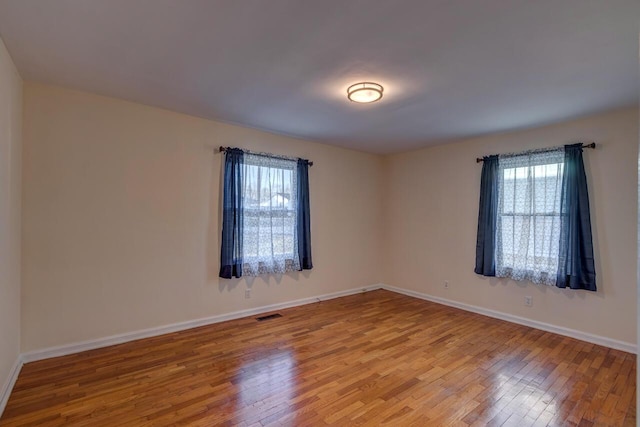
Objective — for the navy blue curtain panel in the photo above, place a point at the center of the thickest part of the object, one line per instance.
(487, 216)
(232, 217)
(576, 267)
(304, 216)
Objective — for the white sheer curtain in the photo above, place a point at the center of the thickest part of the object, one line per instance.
(528, 222)
(269, 232)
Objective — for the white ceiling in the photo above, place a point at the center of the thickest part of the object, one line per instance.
(450, 68)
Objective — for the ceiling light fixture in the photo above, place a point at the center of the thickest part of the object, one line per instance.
(365, 92)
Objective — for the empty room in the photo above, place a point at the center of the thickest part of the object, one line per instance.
(307, 213)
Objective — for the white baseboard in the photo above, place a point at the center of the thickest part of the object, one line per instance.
(583, 336)
(66, 349)
(7, 387)
(151, 332)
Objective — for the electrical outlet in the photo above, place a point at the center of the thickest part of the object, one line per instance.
(528, 301)
(247, 293)
(446, 284)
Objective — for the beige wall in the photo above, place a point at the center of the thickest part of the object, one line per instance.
(10, 163)
(431, 208)
(121, 218)
(121, 221)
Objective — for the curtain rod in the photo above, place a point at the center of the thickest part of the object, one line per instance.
(592, 145)
(275, 156)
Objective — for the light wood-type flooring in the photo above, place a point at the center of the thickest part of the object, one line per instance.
(377, 358)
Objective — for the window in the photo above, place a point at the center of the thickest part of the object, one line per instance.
(266, 216)
(269, 195)
(533, 218)
(528, 220)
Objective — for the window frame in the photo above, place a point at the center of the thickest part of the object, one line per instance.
(541, 268)
(251, 160)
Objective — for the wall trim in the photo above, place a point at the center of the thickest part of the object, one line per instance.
(66, 349)
(7, 387)
(560, 330)
(77, 347)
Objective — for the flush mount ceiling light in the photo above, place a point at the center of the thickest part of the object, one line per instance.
(365, 92)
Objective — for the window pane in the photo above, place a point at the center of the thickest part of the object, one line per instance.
(529, 216)
(269, 233)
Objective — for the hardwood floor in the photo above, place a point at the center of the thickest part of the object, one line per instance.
(378, 358)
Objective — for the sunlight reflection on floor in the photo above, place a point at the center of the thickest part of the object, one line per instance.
(266, 384)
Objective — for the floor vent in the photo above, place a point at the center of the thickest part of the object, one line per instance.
(268, 317)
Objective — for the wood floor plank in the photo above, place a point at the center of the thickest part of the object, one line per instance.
(378, 358)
